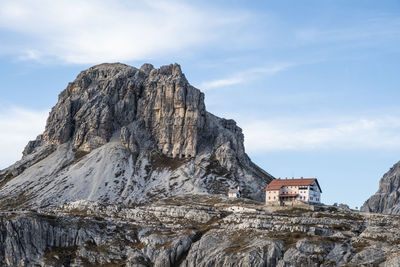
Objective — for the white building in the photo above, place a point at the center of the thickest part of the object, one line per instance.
(289, 191)
(234, 193)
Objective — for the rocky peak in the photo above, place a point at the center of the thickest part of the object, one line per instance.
(146, 68)
(387, 198)
(108, 97)
(123, 134)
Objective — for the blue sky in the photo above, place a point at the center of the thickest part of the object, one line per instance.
(313, 84)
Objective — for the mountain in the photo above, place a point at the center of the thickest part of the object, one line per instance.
(131, 170)
(387, 198)
(119, 134)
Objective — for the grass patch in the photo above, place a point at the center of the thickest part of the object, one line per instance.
(239, 242)
(86, 263)
(60, 256)
(340, 227)
(289, 238)
(78, 212)
(339, 216)
(79, 154)
(93, 247)
(52, 220)
(383, 239)
(6, 178)
(360, 245)
(160, 161)
(295, 211)
(14, 203)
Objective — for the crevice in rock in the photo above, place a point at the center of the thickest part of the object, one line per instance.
(198, 235)
(18, 240)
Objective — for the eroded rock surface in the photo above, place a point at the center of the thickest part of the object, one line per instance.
(196, 230)
(387, 198)
(119, 134)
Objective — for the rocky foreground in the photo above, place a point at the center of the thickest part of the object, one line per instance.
(197, 230)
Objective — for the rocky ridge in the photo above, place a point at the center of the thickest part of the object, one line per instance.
(387, 198)
(119, 134)
(197, 230)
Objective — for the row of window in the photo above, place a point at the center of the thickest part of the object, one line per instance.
(300, 192)
(300, 197)
(276, 192)
(300, 187)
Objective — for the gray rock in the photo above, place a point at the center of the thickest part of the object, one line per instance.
(387, 198)
(122, 134)
(128, 172)
(167, 233)
(370, 256)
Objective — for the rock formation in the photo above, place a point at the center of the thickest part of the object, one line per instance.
(387, 198)
(128, 172)
(119, 134)
(196, 230)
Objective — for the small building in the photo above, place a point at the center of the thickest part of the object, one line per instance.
(234, 193)
(290, 191)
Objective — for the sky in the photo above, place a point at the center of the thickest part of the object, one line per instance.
(313, 84)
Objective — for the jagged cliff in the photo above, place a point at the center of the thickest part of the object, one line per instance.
(387, 198)
(119, 134)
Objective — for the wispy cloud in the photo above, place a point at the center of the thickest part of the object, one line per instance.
(245, 75)
(329, 133)
(222, 82)
(371, 30)
(88, 31)
(18, 126)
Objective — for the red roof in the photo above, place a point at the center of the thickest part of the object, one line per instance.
(277, 184)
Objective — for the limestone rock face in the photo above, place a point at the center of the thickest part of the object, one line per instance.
(196, 230)
(122, 134)
(387, 198)
(105, 98)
